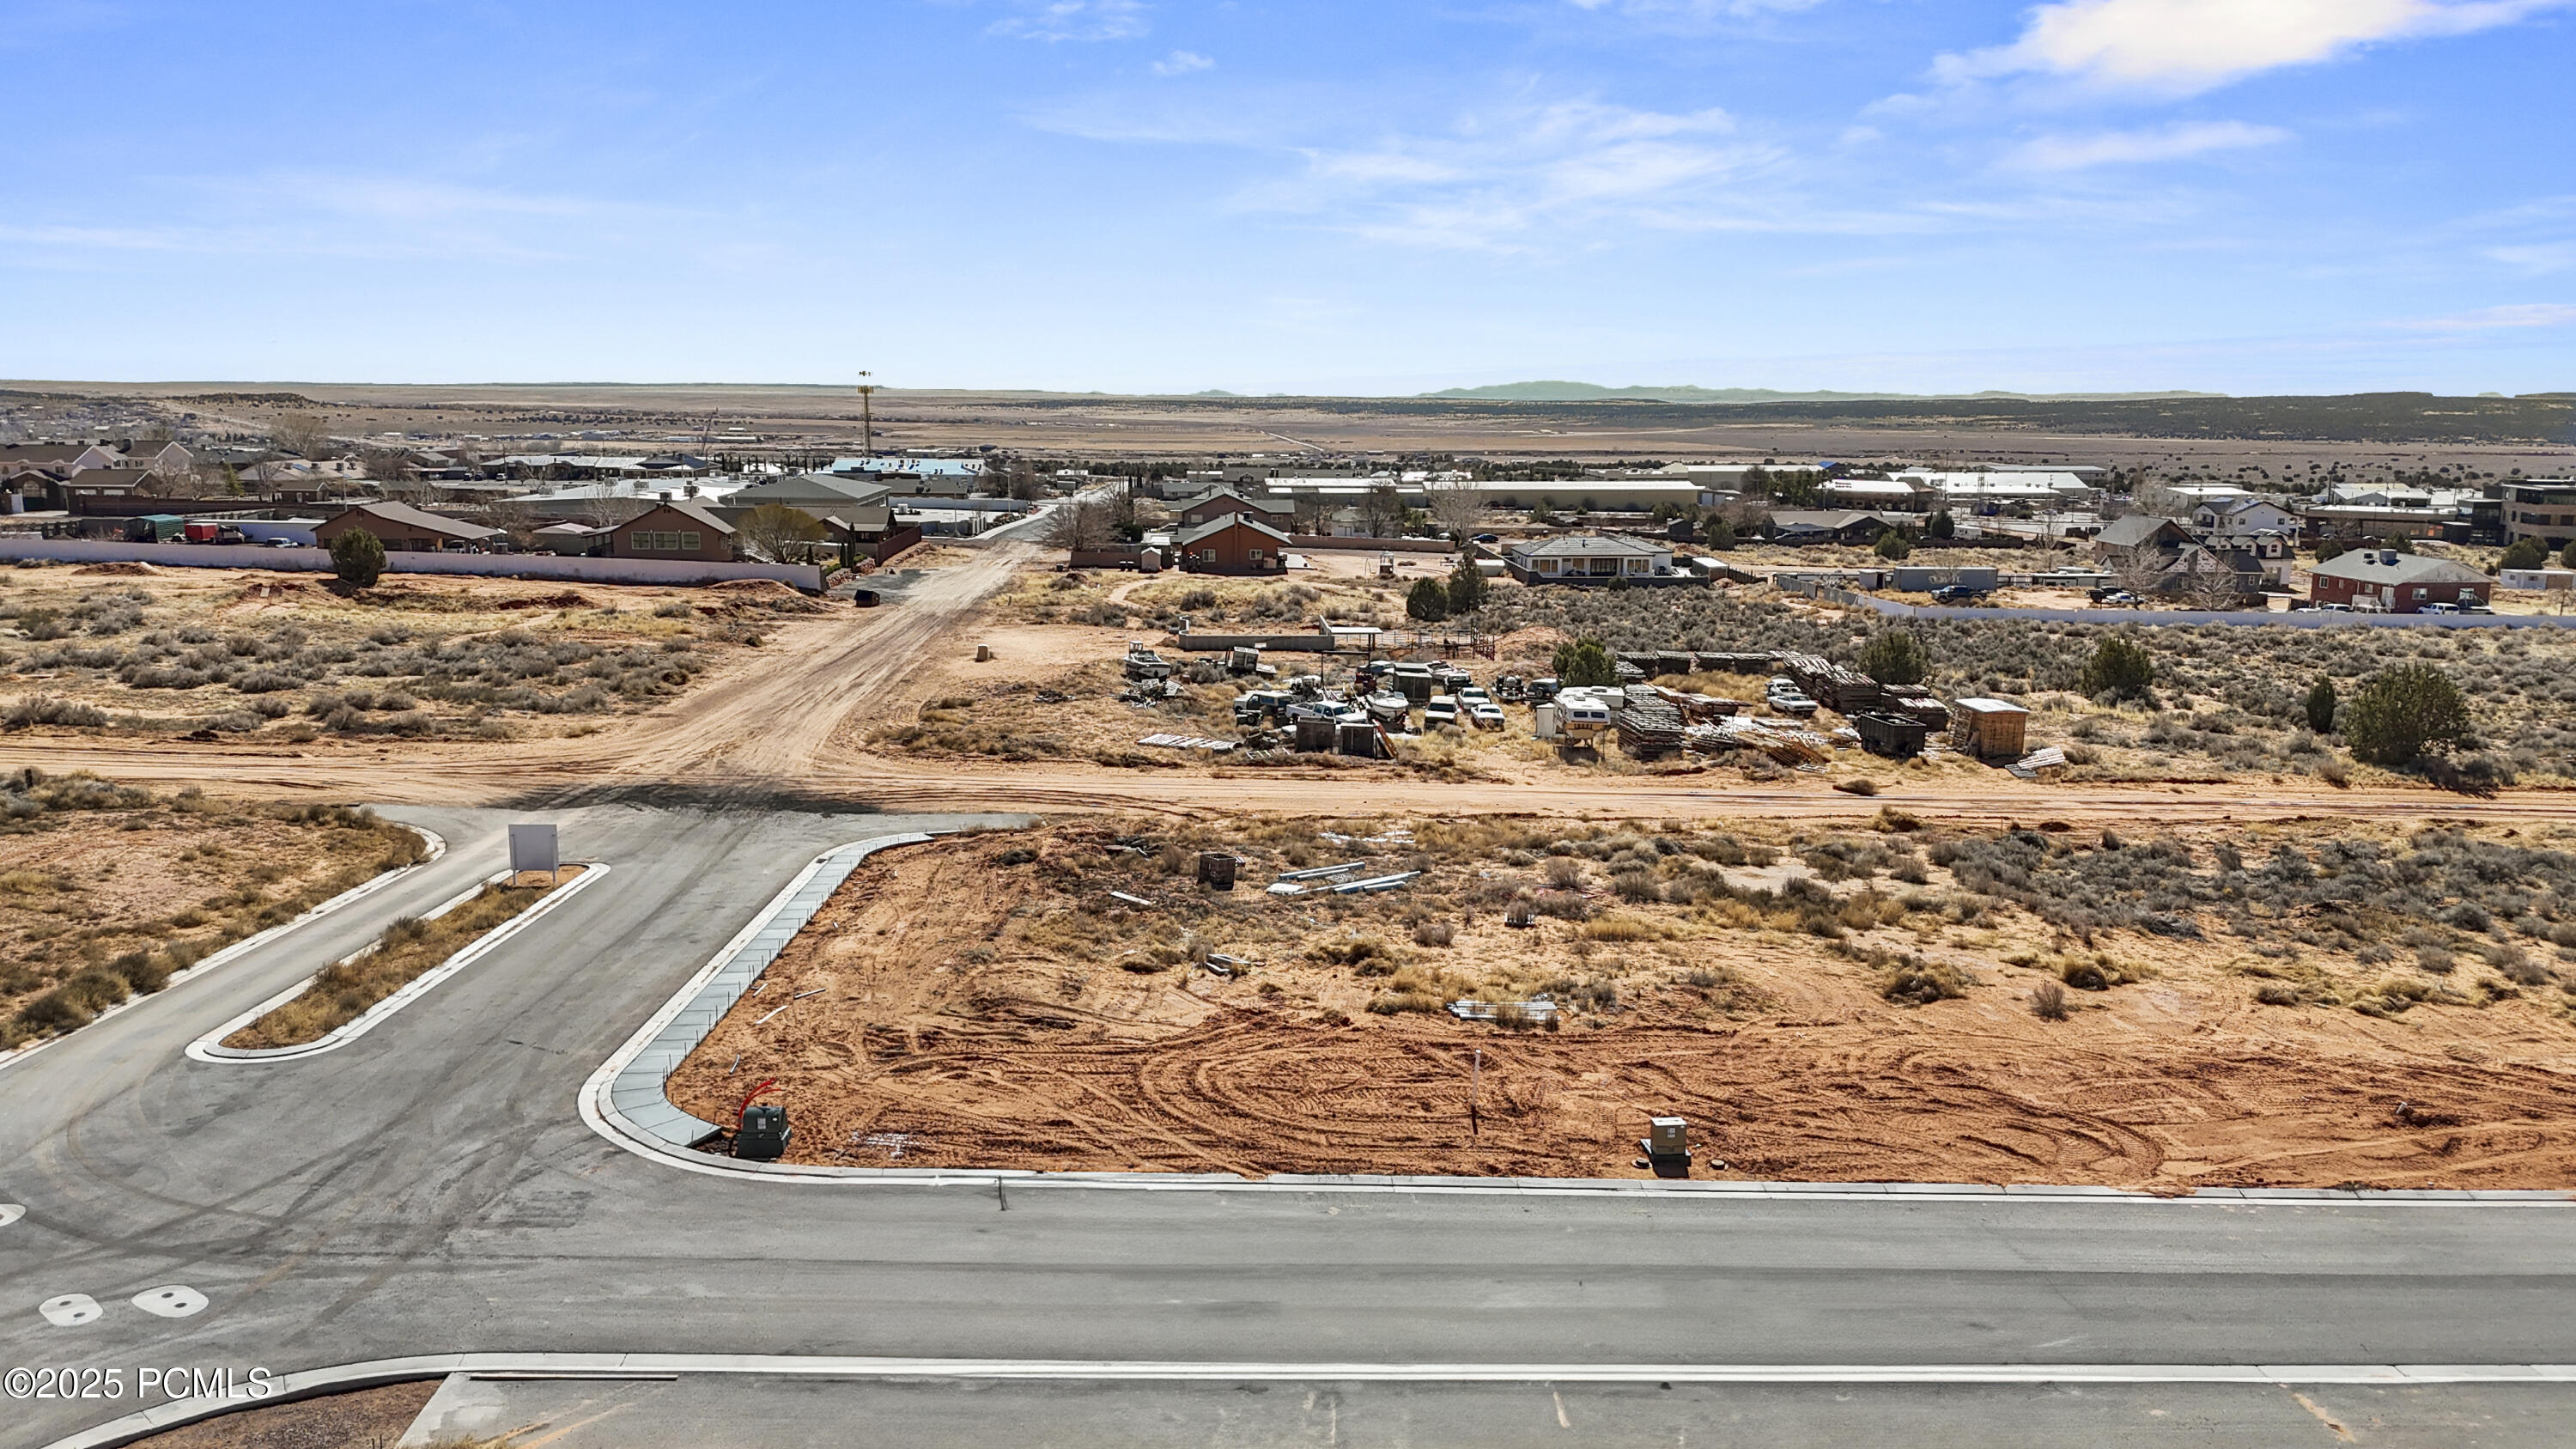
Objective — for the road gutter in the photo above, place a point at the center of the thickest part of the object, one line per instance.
(248, 944)
(210, 1048)
(345, 1377)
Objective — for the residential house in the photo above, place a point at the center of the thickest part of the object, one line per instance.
(402, 528)
(161, 455)
(2242, 516)
(681, 529)
(1223, 502)
(814, 493)
(2160, 555)
(1233, 544)
(2384, 580)
(1829, 525)
(60, 459)
(1585, 558)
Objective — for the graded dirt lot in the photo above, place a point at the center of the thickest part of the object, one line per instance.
(2270, 1006)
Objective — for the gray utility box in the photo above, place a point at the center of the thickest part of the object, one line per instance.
(1667, 1137)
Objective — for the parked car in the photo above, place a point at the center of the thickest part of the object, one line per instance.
(2334, 608)
(2439, 607)
(2471, 606)
(1957, 594)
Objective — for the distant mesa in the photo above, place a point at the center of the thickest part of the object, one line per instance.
(1594, 392)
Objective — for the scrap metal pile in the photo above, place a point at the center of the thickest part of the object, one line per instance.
(1789, 746)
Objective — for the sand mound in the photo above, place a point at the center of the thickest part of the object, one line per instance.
(770, 593)
(116, 570)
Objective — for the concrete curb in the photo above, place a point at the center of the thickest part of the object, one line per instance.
(624, 1100)
(248, 944)
(210, 1049)
(344, 1377)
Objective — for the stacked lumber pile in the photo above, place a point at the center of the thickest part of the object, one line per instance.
(1836, 687)
(1706, 708)
(1918, 706)
(1649, 728)
(1720, 663)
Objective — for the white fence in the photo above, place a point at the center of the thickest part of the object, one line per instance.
(808, 577)
(2302, 619)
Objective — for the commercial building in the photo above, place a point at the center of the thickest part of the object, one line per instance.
(2543, 508)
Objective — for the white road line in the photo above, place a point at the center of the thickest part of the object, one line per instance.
(616, 1365)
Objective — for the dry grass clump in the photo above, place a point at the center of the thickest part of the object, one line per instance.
(408, 948)
(2048, 1001)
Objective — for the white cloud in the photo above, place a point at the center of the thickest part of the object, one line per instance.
(1493, 179)
(1182, 62)
(2519, 314)
(1053, 20)
(2192, 45)
(2538, 259)
(2167, 143)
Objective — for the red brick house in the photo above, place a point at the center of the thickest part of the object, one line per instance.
(2398, 583)
(1225, 502)
(402, 528)
(683, 529)
(1234, 544)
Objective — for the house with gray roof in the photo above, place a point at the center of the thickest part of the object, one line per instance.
(1588, 558)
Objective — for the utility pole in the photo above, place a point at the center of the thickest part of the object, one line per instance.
(868, 415)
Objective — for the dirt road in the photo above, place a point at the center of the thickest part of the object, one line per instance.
(786, 720)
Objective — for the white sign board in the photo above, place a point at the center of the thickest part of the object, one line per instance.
(532, 847)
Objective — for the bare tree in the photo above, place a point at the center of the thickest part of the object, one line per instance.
(1380, 508)
(783, 534)
(1082, 526)
(2141, 571)
(1311, 515)
(2212, 582)
(1457, 508)
(307, 435)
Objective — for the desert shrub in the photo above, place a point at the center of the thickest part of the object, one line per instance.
(1912, 981)
(1434, 933)
(1636, 885)
(2048, 1001)
(2319, 706)
(2403, 711)
(358, 558)
(46, 709)
(2120, 667)
(2277, 993)
(1894, 656)
(1585, 662)
(2524, 553)
(1562, 872)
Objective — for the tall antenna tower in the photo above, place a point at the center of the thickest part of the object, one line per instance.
(868, 415)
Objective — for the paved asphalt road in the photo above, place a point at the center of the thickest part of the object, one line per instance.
(430, 1188)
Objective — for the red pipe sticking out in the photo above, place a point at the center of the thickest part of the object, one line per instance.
(746, 1101)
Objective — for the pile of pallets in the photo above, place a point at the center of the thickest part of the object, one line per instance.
(1723, 663)
(1916, 705)
(1837, 687)
(1649, 728)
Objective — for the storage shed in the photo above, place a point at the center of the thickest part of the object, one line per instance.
(1988, 728)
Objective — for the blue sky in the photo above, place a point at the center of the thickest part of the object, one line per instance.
(2238, 195)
